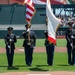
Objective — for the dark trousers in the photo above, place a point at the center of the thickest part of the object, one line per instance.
(50, 53)
(71, 55)
(28, 55)
(10, 57)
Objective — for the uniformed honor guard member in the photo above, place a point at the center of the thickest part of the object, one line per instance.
(70, 37)
(29, 44)
(49, 49)
(10, 39)
(73, 45)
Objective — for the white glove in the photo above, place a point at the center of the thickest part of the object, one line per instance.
(34, 46)
(28, 30)
(72, 36)
(8, 46)
(10, 40)
(71, 44)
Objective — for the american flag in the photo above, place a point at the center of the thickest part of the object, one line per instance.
(30, 10)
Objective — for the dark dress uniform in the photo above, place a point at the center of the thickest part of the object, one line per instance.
(70, 43)
(49, 50)
(10, 39)
(29, 44)
(69, 48)
(73, 46)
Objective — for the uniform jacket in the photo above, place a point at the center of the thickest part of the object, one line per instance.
(73, 39)
(13, 39)
(32, 39)
(68, 36)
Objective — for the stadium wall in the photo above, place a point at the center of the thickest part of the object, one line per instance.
(39, 33)
(14, 14)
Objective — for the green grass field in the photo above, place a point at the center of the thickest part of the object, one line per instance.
(39, 60)
(39, 42)
(39, 63)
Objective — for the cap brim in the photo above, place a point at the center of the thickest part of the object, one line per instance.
(9, 28)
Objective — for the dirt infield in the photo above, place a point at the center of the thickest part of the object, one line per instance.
(40, 73)
(38, 49)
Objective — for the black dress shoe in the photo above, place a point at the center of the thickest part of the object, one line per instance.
(28, 64)
(49, 64)
(9, 67)
(71, 64)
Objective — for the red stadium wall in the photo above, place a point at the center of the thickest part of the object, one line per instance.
(6, 1)
(61, 37)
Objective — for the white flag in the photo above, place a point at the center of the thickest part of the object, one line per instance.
(53, 23)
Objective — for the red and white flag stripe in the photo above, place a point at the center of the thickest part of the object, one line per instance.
(30, 10)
